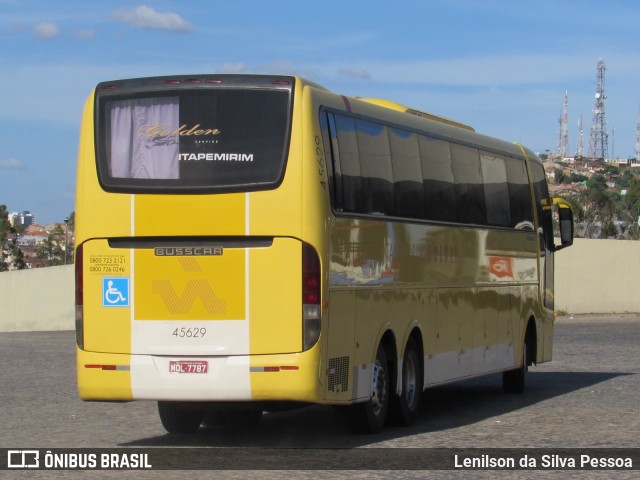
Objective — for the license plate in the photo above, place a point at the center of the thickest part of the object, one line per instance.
(188, 366)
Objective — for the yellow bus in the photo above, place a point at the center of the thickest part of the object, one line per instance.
(246, 242)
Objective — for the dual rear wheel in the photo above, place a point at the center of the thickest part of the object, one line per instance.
(385, 406)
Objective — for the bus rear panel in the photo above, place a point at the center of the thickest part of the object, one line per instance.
(187, 289)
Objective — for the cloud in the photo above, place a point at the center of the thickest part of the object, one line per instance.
(147, 18)
(85, 34)
(46, 30)
(232, 67)
(488, 71)
(354, 72)
(11, 164)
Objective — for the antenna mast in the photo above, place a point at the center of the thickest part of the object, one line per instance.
(563, 144)
(598, 143)
(580, 151)
(638, 137)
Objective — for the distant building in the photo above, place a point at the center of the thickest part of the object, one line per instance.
(25, 218)
(31, 238)
(28, 218)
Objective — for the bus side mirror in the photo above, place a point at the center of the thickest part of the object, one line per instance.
(565, 220)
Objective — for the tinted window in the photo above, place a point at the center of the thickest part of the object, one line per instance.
(541, 191)
(407, 173)
(519, 194)
(375, 164)
(203, 139)
(350, 175)
(496, 189)
(437, 174)
(385, 170)
(469, 188)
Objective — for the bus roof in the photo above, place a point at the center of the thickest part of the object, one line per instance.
(403, 108)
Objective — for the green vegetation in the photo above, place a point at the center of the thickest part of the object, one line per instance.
(48, 253)
(608, 204)
(10, 253)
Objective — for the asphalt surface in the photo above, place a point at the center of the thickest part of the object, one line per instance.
(587, 397)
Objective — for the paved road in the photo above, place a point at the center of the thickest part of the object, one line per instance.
(587, 397)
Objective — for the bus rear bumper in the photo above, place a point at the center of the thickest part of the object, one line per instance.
(120, 377)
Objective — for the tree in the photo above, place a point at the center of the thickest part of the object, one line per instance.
(51, 251)
(9, 248)
(5, 229)
(610, 169)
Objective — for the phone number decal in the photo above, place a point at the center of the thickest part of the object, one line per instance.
(101, 264)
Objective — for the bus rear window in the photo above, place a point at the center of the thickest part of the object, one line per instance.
(193, 140)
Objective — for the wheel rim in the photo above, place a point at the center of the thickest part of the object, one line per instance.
(378, 397)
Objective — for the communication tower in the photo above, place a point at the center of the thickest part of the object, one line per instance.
(638, 137)
(580, 151)
(563, 144)
(598, 143)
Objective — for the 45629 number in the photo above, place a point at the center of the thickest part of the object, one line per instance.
(189, 332)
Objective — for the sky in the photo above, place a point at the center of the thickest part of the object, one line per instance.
(501, 66)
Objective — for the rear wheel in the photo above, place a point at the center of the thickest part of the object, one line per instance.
(513, 381)
(180, 417)
(405, 405)
(369, 417)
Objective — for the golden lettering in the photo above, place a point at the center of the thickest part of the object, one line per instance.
(151, 131)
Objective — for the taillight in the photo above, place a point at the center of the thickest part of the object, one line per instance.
(79, 297)
(311, 296)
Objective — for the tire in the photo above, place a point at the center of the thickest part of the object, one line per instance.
(369, 416)
(404, 406)
(513, 381)
(180, 417)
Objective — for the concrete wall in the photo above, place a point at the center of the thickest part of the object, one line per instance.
(598, 276)
(41, 299)
(592, 276)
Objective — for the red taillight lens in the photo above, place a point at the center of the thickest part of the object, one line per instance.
(311, 296)
(310, 275)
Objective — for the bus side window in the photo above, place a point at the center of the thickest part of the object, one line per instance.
(469, 188)
(519, 194)
(347, 163)
(375, 164)
(437, 174)
(407, 173)
(496, 189)
(330, 148)
(541, 191)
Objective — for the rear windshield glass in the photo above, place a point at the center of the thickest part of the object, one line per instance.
(193, 140)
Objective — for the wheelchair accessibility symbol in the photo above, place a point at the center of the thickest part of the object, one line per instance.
(115, 291)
